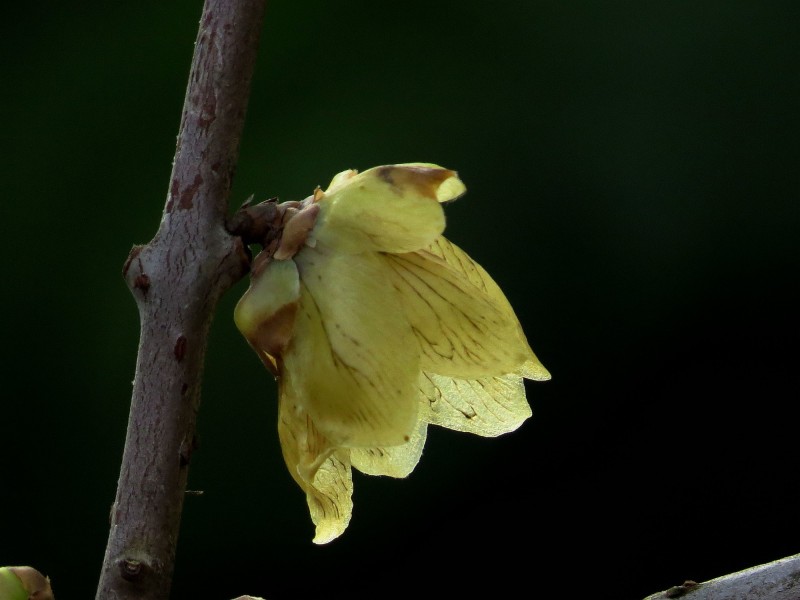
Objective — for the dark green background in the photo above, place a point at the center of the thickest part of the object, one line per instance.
(633, 186)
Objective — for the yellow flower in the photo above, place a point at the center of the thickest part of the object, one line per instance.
(376, 326)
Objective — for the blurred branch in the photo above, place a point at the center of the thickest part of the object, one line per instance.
(177, 280)
(778, 580)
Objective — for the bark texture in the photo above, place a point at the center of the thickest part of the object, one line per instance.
(177, 280)
(778, 580)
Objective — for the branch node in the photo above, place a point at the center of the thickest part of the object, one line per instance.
(186, 450)
(142, 282)
(180, 348)
(177, 279)
(131, 569)
(679, 590)
(131, 256)
(258, 223)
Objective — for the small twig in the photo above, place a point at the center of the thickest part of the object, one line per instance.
(177, 280)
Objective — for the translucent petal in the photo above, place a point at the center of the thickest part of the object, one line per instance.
(461, 262)
(322, 472)
(393, 208)
(462, 330)
(487, 407)
(533, 369)
(331, 504)
(353, 357)
(393, 461)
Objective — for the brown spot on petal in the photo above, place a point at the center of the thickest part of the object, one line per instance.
(273, 335)
(385, 173)
(424, 180)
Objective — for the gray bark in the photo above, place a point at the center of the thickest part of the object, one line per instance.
(177, 280)
(778, 580)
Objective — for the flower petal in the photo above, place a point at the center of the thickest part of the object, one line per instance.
(393, 208)
(353, 357)
(450, 189)
(461, 262)
(322, 472)
(393, 461)
(488, 407)
(266, 313)
(463, 331)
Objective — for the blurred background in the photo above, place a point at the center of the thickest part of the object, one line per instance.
(632, 174)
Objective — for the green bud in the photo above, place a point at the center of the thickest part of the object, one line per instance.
(24, 583)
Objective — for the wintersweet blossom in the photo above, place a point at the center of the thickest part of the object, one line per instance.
(375, 326)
